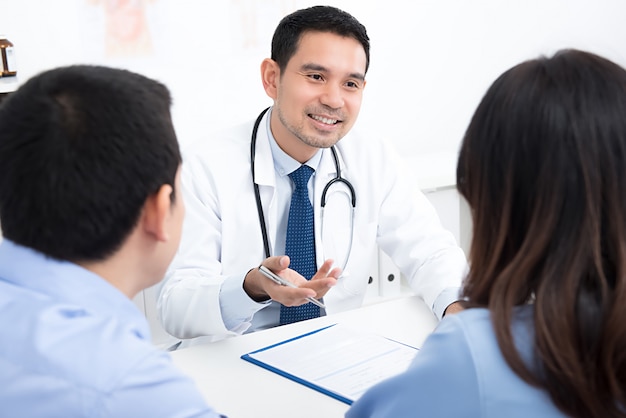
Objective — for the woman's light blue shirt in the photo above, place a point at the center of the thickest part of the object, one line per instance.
(460, 372)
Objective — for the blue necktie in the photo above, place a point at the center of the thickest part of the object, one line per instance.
(300, 243)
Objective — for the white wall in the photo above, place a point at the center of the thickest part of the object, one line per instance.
(431, 59)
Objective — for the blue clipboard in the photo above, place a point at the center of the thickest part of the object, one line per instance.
(290, 376)
(350, 371)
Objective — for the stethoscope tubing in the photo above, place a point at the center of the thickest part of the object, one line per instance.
(336, 179)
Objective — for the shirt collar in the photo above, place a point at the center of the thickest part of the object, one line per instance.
(283, 162)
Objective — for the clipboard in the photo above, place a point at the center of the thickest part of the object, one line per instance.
(336, 360)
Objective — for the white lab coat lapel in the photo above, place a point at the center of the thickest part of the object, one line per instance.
(265, 177)
(325, 172)
(335, 216)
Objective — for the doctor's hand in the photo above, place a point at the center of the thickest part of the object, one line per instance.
(260, 288)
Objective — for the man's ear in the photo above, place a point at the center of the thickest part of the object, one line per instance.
(270, 75)
(157, 210)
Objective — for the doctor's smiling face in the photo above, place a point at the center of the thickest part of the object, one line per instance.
(317, 97)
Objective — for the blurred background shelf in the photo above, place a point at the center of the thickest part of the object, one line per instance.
(8, 84)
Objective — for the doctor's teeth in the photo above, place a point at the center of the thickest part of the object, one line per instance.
(324, 120)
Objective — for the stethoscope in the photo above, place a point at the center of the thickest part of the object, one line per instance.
(337, 179)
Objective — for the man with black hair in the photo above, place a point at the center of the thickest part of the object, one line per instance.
(91, 214)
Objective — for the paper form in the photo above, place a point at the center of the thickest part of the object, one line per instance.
(339, 361)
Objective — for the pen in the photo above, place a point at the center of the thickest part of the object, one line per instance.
(279, 280)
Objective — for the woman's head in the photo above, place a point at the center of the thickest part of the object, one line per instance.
(543, 168)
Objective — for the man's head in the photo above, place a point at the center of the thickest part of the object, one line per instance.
(316, 77)
(82, 149)
(315, 19)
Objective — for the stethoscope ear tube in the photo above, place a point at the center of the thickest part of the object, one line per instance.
(257, 195)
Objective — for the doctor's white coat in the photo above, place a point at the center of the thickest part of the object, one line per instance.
(222, 238)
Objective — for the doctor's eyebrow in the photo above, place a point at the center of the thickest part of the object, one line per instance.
(322, 69)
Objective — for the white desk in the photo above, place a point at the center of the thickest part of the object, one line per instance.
(240, 389)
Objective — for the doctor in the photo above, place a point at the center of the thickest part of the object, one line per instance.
(315, 77)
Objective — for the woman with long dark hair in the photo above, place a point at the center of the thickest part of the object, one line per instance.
(543, 168)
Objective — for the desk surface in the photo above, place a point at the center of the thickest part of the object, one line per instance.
(240, 389)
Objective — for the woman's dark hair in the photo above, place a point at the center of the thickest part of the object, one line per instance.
(543, 168)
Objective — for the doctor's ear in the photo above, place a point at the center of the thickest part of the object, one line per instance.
(270, 74)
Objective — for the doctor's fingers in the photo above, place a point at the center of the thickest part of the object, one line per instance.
(290, 296)
(277, 263)
(326, 270)
(321, 285)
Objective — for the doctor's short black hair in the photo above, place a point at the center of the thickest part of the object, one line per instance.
(315, 19)
(81, 149)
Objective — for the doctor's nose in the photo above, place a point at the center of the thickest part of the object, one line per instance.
(332, 96)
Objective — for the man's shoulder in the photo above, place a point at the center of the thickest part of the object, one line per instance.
(72, 361)
(367, 150)
(62, 341)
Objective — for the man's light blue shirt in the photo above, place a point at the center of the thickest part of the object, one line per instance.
(75, 346)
